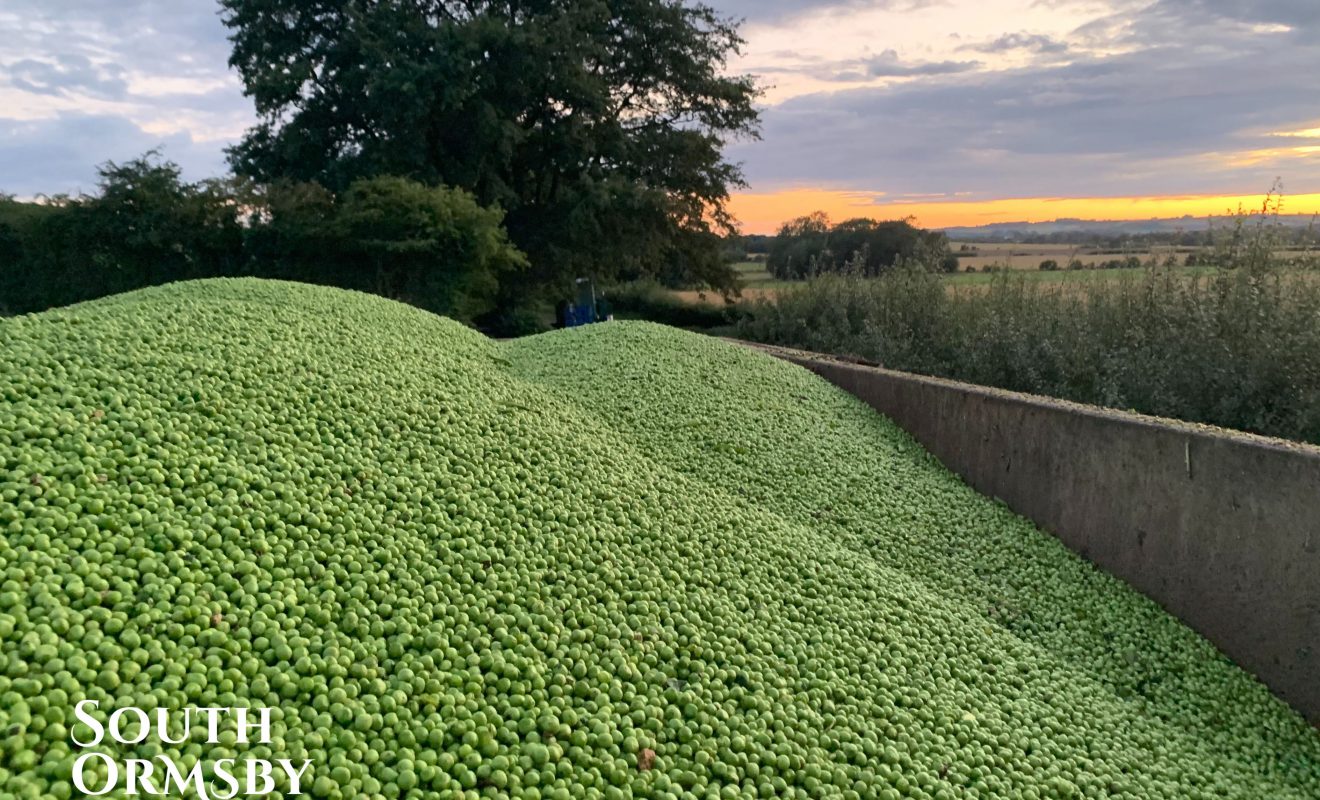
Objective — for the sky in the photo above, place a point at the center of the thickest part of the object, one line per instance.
(957, 112)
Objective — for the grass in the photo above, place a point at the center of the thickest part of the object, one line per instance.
(650, 301)
(1016, 256)
(1027, 257)
(1063, 276)
(753, 275)
(758, 284)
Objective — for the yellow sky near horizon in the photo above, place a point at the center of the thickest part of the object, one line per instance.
(763, 212)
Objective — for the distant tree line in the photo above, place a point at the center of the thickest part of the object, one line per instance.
(757, 244)
(1288, 235)
(747, 247)
(811, 245)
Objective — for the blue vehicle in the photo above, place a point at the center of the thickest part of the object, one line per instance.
(585, 309)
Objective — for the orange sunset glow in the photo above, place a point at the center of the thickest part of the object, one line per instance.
(760, 212)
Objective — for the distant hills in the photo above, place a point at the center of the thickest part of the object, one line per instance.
(1012, 231)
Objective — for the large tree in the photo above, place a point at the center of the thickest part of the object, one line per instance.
(812, 244)
(597, 125)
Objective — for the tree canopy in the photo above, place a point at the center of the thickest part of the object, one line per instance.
(145, 225)
(811, 244)
(597, 125)
(432, 246)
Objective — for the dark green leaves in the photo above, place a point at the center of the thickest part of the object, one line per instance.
(598, 126)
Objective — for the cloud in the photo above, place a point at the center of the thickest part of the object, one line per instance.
(1299, 13)
(1009, 42)
(860, 70)
(174, 37)
(1207, 23)
(766, 11)
(86, 81)
(888, 65)
(68, 74)
(1117, 106)
(1164, 119)
(60, 155)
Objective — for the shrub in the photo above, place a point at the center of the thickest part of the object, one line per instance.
(1239, 348)
(434, 247)
(144, 226)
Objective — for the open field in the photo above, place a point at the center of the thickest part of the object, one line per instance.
(759, 284)
(1012, 255)
(1061, 277)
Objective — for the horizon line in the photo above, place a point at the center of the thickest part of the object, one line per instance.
(764, 212)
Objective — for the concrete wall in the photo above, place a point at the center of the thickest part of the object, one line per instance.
(1222, 529)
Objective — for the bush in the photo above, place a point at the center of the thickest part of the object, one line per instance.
(145, 226)
(1049, 265)
(526, 318)
(433, 247)
(1239, 348)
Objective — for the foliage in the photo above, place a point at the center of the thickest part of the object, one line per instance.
(597, 126)
(144, 226)
(740, 248)
(431, 246)
(1236, 348)
(756, 244)
(798, 246)
(811, 245)
(556, 567)
(294, 232)
(19, 224)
